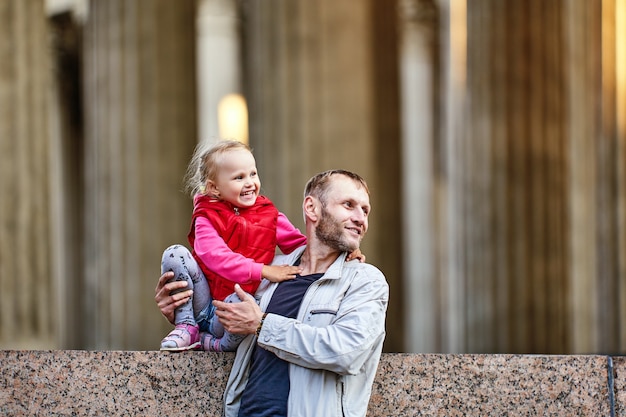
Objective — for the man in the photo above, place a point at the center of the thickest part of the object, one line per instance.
(314, 342)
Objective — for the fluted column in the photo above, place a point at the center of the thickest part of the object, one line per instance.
(508, 224)
(536, 187)
(321, 81)
(140, 126)
(418, 33)
(28, 314)
(597, 52)
(620, 106)
(310, 109)
(451, 262)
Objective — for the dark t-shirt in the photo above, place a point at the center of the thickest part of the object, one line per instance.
(267, 389)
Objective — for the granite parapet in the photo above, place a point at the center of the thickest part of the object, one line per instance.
(151, 383)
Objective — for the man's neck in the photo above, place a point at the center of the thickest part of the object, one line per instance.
(317, 260)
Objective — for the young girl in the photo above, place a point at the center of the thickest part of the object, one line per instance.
(234, 234)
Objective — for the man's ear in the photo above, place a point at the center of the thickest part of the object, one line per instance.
(310, 208)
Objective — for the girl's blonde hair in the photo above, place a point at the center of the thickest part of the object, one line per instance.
(205, 163)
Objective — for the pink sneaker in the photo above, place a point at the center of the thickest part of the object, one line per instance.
(209, 343)
(183, 337)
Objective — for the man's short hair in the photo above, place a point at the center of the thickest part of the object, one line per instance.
(318, 185)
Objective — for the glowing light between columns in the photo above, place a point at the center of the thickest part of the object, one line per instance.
(458, 41)
(232, 116)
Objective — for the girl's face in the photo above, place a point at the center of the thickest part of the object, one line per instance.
(237, 180)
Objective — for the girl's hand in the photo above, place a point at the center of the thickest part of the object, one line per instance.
(279, 273)
(356, 254)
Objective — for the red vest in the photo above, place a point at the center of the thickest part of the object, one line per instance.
(249, 231)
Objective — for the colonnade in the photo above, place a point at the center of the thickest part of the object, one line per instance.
(491, 136)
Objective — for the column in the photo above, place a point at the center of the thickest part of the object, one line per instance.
(321, 81)
(620, 105)
(140, 128)
(28, 313)
(596, 121)
(418, 66)
(507, 174)
(453, 35)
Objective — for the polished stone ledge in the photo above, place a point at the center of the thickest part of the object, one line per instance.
(152, 383)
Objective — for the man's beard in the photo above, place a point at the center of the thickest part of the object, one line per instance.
(330, 233)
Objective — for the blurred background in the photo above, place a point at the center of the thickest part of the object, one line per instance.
(492, 134)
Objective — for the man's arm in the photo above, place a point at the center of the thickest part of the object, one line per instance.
(341, 346)
(239, 318)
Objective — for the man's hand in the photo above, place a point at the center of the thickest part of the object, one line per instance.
(239, 318)
(279, 273)
(166, 300)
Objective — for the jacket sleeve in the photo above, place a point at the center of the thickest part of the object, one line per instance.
(288, 236)
(219, 258)
(347, 341)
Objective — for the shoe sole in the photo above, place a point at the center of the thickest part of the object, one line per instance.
(181, 349)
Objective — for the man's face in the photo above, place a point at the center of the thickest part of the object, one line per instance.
(344, 221)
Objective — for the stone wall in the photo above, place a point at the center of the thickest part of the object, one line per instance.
(113, 383)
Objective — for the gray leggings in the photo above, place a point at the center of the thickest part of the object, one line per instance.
(199, 309)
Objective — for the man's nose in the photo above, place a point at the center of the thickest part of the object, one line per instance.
(359, 216)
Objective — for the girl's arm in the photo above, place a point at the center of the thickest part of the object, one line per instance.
(219, 258)
(288, 236)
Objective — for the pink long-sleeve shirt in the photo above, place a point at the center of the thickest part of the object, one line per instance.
(218, 257)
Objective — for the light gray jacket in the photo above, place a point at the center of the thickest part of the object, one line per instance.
(333, 346)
